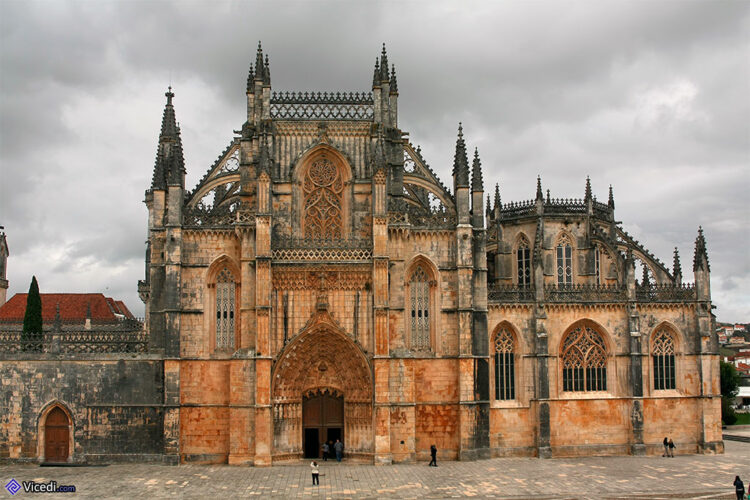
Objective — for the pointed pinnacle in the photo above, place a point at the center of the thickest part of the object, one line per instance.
(539, 194)
(611, 202)
(394, 84)
(477, 183)
(376, 74)
(676, 267)
(497, 195)
(588, 188)
(549, 200)
(460, 161)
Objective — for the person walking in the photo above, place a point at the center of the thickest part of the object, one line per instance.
(739, 488)
(666, 447)
(326, 451)
(315, 473)
(338, 447)
(433, 454)
(671, 446)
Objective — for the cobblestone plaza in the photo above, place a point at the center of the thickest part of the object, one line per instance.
(685, 476)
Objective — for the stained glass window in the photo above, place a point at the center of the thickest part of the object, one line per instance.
(584, 361)
(225, 287)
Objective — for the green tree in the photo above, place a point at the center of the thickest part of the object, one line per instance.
(32, 319)
(730, 387)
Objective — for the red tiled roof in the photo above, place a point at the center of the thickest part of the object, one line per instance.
(73, 307)
(124, 309)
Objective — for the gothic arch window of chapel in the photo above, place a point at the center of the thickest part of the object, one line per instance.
(663, 358)
(322, 196)
(504, 349)
(523, 262)
(223, 306)
(421, 290)
(584, 358)
(564, 260)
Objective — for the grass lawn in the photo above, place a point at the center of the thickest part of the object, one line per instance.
(742, 419)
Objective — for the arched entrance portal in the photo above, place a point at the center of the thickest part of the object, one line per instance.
(322, 420)
(322, 385)
(56, 436)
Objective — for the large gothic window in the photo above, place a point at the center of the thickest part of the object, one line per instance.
(564, 262)
(419, 309)
(663, 356)
(225, 309)
(523, 259)
(323, 187)
(584, 361)
(505, 379)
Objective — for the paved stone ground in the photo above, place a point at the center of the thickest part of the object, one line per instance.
(688, 476)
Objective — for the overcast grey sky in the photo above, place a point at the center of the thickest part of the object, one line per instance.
(651, 97)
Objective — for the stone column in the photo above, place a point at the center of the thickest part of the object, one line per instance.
(263, 358)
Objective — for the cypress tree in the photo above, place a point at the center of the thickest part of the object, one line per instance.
(32, 320)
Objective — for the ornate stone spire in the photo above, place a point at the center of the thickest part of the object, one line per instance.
(383, 65)
(676, 267)
(376, 74)
(169, 150)
(701, 256)
(394, 84)
(645, 280)
(250, 77)
(477, 184)
(488, 210)
(611, 202)
(266, 73)
(497, 195)
(176, 170)
(460, 161)
(549, 199)
(539, 193)
(259, 66)
(587, 196)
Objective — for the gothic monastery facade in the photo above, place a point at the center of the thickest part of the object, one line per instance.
(321, 282)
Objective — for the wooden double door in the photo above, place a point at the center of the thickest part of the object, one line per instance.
(56, 436)
(322, 421)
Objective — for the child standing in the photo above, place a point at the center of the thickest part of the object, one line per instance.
(315, 473)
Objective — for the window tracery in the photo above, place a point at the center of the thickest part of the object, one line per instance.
(523, 260)
(564, 261)
(323, 186)
(584, 361)
(419, 292)
(505, 383)
(225, 309)
(663, 354)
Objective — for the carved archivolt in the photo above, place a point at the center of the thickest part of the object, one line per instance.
(322, 357)
(323, 186)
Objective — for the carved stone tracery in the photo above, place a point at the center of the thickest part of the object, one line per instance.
(323, 186)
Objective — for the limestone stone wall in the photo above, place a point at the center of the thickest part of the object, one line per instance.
(116, 406)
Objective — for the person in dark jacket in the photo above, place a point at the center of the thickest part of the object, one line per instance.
(433, 454)
(338, 447)
(739, 488)
(671, 446)
(326, 451)
(666, 447)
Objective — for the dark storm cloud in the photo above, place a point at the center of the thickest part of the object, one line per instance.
(650, 97)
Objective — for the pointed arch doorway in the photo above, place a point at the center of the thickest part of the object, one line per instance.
(322, 420)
